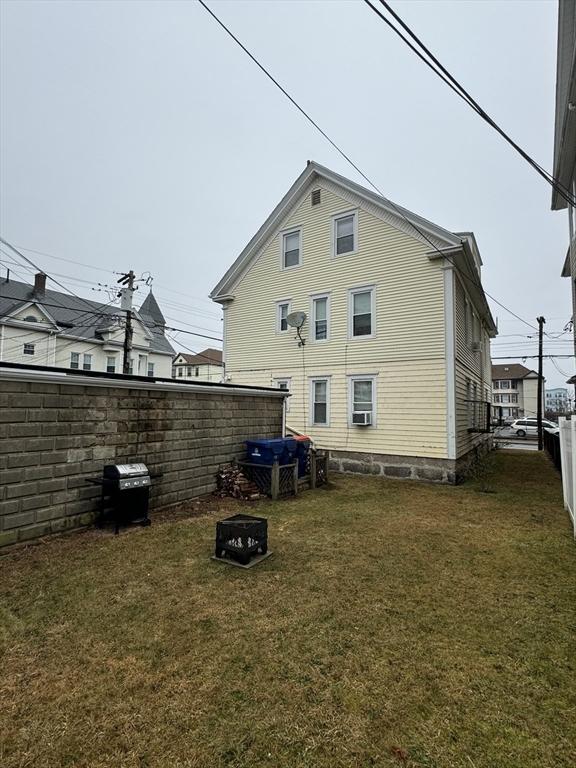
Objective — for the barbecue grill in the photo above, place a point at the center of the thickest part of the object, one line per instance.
(125, 495)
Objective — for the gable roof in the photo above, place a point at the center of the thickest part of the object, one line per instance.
(511, 371)
(74, 316)
(399, 217)
(207, 357)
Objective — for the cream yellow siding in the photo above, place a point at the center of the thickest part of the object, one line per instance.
(406, 355)
(472, 368)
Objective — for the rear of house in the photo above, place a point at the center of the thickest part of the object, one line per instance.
(515, 390)
(390, 367)
(200, 366)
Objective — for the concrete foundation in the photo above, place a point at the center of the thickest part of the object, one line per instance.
(449, 471)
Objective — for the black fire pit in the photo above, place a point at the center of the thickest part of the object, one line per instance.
(242, 540)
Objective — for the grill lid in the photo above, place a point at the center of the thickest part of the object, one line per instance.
(125, 470)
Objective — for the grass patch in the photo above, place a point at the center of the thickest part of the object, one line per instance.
(397, 624)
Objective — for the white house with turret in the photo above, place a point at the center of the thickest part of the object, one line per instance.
(39, 326)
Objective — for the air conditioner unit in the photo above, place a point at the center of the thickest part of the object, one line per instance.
(476, 346)
(362, 418)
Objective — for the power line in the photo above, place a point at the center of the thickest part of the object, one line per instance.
(351, 162)
(198, 354)
(460, 91)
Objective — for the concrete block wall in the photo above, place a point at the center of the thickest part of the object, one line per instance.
(54, 435)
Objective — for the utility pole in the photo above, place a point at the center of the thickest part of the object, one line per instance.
(126, 293)
(541, 322)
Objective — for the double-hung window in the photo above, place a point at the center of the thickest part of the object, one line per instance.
(362, 399)
(320, 402)
(291, 247)
(150, 369)
(180, 370)
(345, 234)
(361, 311)
(320, 318)
(74, 360)
(87, 362)
(110, 365)
(29, 349)
(282, 312)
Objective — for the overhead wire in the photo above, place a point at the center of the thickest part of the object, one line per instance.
(356, 167)
(455, 86)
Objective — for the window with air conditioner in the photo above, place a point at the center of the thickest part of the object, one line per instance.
(362, 400)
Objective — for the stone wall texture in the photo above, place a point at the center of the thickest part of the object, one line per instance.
(430, 470)
(55, 435)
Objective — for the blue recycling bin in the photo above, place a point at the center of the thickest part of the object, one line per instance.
(266, 451)
(303, 443)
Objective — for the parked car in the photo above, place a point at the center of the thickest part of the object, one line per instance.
(523, 427)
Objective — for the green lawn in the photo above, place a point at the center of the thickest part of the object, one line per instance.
(397, 624)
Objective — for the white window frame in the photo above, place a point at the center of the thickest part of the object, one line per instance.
(75, 361)
(313, 380)
(373, 377)
(313, 299)
(351, 293)
(283, 235)
(89, 361)
(277, 380)
(335, 219)
(26, 349)
(150, 369)
(507, 382)
(113, 358)
(279, 304)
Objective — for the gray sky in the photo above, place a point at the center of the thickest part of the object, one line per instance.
(138, 135)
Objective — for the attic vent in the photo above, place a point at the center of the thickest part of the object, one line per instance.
(316, 197)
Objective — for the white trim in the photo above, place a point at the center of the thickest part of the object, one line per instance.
(312, 380)
(372, 377)
(351, 293)
(37, 305)
(313, 298)
(334, 219)
(280, 303)
(309, 179)
(450, 361)
(283, 235)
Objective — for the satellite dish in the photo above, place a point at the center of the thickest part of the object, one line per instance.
(296, 319)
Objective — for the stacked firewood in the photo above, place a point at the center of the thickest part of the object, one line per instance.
(230, 481)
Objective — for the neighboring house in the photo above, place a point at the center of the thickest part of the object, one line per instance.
(565, 133)
(515, 390)
(391, 369)
(203, 366)
(45, 327)
(556, 400)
